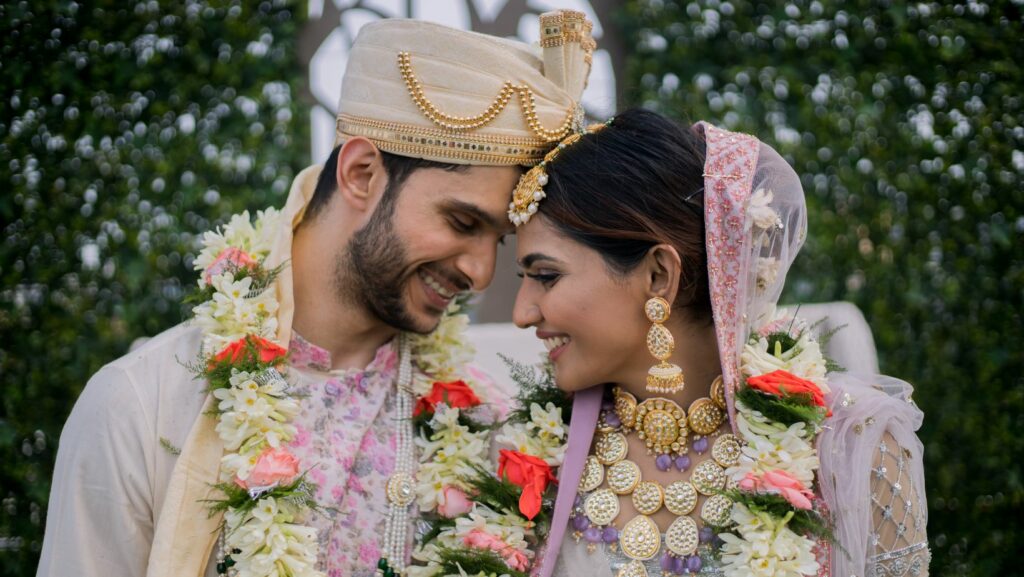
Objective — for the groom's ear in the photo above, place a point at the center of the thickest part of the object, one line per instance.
(360, 173)
(663, 266)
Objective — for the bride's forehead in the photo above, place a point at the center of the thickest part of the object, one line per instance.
(541, 236)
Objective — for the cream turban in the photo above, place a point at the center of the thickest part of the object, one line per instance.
(428, 91)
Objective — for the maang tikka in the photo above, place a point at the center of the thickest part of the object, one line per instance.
(664, 377)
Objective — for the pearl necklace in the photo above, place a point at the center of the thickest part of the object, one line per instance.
(400, 487)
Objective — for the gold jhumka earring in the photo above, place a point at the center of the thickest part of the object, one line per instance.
(664, 377)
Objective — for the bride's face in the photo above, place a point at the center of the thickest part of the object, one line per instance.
(590, 319)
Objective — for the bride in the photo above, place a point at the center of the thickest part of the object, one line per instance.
(709, 435)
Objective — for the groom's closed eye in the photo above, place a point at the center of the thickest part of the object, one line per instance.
(462, 224)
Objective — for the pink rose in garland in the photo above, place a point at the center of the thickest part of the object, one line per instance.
(274, 467)
(229, 259)
(456, 394)
(781, 382)
(528, 472)
(479, 539)
(779, 482)
(453, 502)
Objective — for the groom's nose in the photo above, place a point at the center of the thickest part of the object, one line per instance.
(477, 263)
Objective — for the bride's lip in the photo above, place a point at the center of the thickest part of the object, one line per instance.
(555, 343)
(556, 352)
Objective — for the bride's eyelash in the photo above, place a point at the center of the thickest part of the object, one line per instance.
(542, 278)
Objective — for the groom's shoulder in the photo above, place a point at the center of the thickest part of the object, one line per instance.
(165, 354)
(154, 371)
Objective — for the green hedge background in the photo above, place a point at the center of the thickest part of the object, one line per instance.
(127, 129)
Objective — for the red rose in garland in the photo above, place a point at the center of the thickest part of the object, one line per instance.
(528, 472)
(456, 394)
(779, 383)
(266, 351)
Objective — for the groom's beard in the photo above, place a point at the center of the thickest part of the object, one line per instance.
(372, 272)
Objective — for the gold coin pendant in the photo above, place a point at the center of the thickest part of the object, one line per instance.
(680, 498)
(593, 475)
(623, 477)
(601, 507)
(708, 478)
(726, 450)
(640, 538)
(647, 497)
(682, 536)
(611, 448)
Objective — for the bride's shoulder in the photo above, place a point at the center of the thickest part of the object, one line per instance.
(878, 391)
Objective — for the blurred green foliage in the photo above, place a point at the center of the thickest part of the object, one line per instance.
(126, 130)
(906, 124)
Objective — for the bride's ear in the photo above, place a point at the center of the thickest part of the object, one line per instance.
(663, 267)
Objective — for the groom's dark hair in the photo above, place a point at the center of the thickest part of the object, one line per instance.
(635, 184)
(398, 169)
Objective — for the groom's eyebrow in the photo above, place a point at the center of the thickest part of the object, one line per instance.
(529, 260)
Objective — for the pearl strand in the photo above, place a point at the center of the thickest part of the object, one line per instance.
(400, 489)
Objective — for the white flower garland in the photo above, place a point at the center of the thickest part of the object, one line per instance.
(265, 534)
(759, 544)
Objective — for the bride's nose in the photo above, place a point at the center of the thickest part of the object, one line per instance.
(525, 311)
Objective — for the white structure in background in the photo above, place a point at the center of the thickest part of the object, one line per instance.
(327, 64)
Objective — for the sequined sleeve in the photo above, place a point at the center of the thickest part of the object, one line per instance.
(898, 546)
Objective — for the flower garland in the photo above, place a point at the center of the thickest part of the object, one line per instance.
(266, 497)
(485, 520)
(780, 408)
(483, 517)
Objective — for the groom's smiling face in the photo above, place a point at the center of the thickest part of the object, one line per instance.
(436, 238)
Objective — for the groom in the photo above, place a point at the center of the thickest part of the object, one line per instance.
(433, 126)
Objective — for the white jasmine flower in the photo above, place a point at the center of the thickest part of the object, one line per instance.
(531, 439)
(268, 224)
(255, 240)
(428, 555)
(518, 437)
(785, 448)
(439, 352)
(270, 543)
(548, 420)
(448, 456)
(510, 528)
(759, 211)
(231, 314)
(767, 272)
(765, 547)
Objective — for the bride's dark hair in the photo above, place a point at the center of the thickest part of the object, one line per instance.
(634, 184)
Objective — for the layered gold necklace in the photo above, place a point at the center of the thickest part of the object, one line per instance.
(666, 429)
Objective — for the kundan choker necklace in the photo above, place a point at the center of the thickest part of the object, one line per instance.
(665, 427)
(609, 476)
